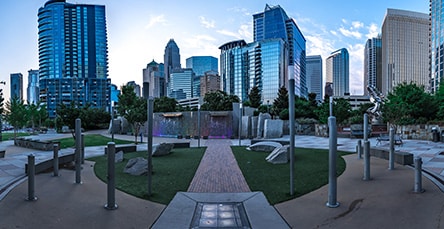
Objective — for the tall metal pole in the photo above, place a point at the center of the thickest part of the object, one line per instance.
(31, 178)
(332, 179)
(198, 125)
(150, 143)
(78, 149)
(292, 130)
(392, 149)
(112, 121)
(331, 105)
(240, 123)
(365, 127)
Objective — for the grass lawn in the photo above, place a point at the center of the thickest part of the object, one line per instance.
(90, 140)
(9, 135)
(311, 172)
(172, 173)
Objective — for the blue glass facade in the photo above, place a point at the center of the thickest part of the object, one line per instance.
(73, 55)
(202, 64)
(314, 76)
(338, 72)
(33, 87)
(437, 43)
(16, 85)
(171, 61)
(181, 84)
(274, 23)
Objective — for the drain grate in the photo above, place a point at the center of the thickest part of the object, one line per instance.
(220, 215)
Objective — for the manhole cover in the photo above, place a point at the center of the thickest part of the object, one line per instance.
(220, 215)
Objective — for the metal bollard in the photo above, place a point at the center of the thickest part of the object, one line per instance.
(359, 149)
(31, 178)
(392, 149)
(82, 146)
(111, 204)
(55, 160)
(77, 152)
(366, 160)
(418, 175)
(332, 179)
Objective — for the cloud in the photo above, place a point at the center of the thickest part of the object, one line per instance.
(207, 23)
(356, 68)
(201, 45)
(154, 20)
(245, 31)
(357, 24)
(373, 31)
(228, 33)
(350, 33)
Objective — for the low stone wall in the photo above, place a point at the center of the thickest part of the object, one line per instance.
(419, 132)
(35, 144)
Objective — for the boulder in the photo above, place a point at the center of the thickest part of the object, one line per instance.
(264, 146)
(279, 155)
(119, 157)
(162, 149)
(136, 166)
(260, 124)
(273, 128)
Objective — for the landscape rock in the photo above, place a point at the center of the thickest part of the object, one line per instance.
(260, 124)
(279, 155)
(136, 166)
(273, 128)
(119, 157)
(162, 149)
(264, 146)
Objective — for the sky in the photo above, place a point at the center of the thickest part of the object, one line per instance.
(138, 31)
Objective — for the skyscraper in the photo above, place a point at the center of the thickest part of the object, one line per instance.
(373, 64)
(17, 86)
(314, 76)
(436, 43)
(33, 86)
(181, 84)
(274, 23)
(73, 55)
(135, 86)
(171, 60)
(202, 64)
(210, 82)
(153, 78)
(337, 72)
(405, 49)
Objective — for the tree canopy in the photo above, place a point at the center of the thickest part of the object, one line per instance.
(133, 109)
(219, 101)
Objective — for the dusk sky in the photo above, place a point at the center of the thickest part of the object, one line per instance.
(138, 31)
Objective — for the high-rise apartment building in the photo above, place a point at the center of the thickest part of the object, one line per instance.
(33, 87)
(405, 49)
(337, 72)
(373, 64)
(181, 84)
(314, 76)
(153, 80)
(210, 82)
(274, 23)
(277, 53)
(171, 60)
(73, 55)
(16, 85)
(436, 43)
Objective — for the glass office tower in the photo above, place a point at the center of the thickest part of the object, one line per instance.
(33, 86)
(314, 76)
(181, 84)
(171, 60)
(436, 43)
(337, 72)
(274, 23)
(16, 86)
(373, 64)
(73, 56)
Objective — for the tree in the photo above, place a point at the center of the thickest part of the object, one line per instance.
(439, 98)
(33, 113)
(409, 104)
(133, 109)
(341, 110)
(281, 102)
(16, 114)
(255, 97)
(219, 101)
(165, 104)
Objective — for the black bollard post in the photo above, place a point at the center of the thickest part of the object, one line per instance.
(31, 178)
(418, 175)
(55, 160)
(111, 204)
(359, 149)
(366, 160)
(82, 146)
(333, 148)
(77, 152)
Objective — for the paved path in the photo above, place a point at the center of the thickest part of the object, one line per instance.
(218, 170)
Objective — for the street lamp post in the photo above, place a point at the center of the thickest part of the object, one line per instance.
(112, 121)
(1, 105)
(268, 106)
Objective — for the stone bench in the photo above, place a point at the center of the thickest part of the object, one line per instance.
(402, 158)
(48, 164)
(35, 144)
(124, 148)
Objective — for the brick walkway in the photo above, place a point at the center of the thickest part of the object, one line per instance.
(218, 171)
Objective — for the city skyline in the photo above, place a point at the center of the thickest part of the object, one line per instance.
(138, 31)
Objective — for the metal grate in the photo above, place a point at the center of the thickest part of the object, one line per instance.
(220, 215)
